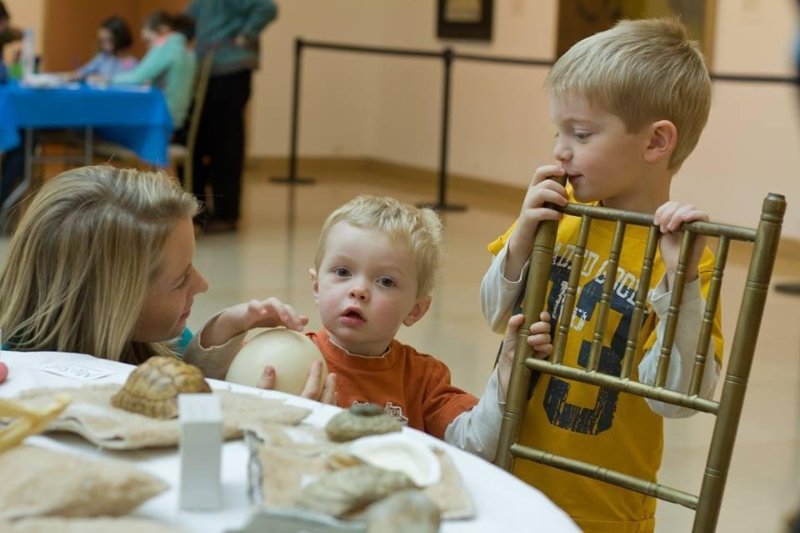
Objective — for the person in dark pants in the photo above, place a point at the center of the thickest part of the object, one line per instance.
(12, 162)
(229, 28)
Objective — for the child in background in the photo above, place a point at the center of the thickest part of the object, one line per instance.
(628, 105)
(169, 65)
(184, 24)
(113, 40)
(374, 271)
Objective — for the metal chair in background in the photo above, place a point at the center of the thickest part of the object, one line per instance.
(183, 155)
(180, 155)
(727, 410)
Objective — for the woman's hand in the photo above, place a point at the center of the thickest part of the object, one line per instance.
(234, 320)
(315, 389)
(539, 339)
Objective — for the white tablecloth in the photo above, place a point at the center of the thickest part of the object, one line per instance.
(502, 502)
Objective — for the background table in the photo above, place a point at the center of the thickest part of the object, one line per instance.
(136, 117)
(502, 502)
(133, 116)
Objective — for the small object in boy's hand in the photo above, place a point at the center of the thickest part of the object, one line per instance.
(3, 372)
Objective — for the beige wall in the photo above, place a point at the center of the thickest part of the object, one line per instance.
(388, 108)
(27, 14)
(499, 125)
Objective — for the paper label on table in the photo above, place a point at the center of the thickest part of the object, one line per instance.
(75, 371)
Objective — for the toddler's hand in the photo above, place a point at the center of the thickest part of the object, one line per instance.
(326, 393)
(539, 339)
(253, 314)
(669, 218)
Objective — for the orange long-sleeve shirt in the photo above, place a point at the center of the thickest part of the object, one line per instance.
(413, 386)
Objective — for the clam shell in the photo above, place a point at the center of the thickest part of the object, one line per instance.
(399, 453)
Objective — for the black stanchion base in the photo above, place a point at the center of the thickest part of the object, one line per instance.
(292, 181)
(788, 287)
(444, 207)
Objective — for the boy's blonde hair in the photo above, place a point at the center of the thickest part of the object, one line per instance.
(641, 71)
(419, 231)
(83, 257)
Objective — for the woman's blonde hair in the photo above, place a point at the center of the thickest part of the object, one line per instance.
(82, 259)
(641, 71)
(419, 231)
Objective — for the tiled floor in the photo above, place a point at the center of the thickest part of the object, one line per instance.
(273, 250)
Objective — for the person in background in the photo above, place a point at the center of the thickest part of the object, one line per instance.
(8, 34)
(229, 28)
(113, 40)
(12, 162)
(169, 64)
(183, 23)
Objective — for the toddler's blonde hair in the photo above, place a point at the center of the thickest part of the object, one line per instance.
(418, 230)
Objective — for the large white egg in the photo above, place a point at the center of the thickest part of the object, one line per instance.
(290, 352)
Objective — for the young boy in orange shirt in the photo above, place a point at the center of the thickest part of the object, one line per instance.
(374, 271)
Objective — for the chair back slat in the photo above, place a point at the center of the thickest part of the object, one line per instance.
(677, 286)
(593, 471)
(570, 294)
(640, 302)
(712, 303)
(604, 304)
(727, 410)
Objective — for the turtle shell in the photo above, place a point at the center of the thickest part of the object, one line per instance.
(153, 387)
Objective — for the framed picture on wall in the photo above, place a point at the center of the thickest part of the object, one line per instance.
(465, 19)
(580, 18)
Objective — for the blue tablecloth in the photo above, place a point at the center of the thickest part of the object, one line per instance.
(135, 117)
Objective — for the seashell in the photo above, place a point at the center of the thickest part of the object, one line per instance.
(339, 460)
(290, 352)
(361, 420)
(397, 452)
(153, 387)
(339, 492)
(409, 510)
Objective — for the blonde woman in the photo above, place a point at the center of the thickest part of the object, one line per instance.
(101, 263)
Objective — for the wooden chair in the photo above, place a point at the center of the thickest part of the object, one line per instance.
(179, 155)
(728, 409)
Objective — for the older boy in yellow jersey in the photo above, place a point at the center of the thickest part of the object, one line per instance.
(628, 105)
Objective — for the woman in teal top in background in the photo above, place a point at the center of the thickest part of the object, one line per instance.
(169, 64)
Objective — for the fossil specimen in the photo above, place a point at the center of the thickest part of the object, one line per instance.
(152, 388)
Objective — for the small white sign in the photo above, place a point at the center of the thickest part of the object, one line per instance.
(75, 371)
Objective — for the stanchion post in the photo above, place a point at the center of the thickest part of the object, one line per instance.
(441, 203)
(292, 178)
